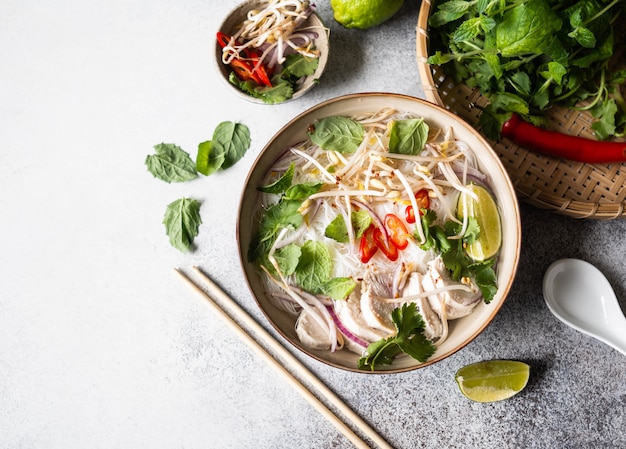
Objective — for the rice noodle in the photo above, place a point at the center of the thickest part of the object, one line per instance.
(374, 180)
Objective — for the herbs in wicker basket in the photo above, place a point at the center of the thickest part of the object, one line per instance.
(526, 56)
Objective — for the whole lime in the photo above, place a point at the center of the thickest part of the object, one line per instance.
(364, 14)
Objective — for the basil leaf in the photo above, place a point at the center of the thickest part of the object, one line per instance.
(171, 163)
(210, 158)
(182, 220)
(233, 139)
(408, 136)
(337, 133)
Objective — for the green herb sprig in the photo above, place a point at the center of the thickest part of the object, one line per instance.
(526, 56)
(409, 339)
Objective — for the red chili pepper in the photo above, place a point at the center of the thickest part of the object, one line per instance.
(223, 39)
(385, 245)
(245, 70)
(562, 145)
(260, 69)
(397, 231)
(367, 246)
(423, 202)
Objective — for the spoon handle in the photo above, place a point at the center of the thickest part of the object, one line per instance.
(618, 334)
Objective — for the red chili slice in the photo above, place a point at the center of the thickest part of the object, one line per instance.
(367, 246)
(385, 245)
(248, 68)
(423, 202)
(244, 71)
(397, 231)
(223, 39)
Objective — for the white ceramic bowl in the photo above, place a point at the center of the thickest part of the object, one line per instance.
(463, 330)
(237, 16)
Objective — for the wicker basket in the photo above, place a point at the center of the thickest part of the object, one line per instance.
(570, 188)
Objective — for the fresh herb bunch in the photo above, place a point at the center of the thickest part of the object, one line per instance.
(526, 56)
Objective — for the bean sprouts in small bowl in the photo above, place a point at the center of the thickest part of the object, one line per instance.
(396, 289)
(271, 51)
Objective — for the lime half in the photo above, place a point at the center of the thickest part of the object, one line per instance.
(492, 380)
(485, 210)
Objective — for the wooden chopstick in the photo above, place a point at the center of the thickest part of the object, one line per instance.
(288, 359)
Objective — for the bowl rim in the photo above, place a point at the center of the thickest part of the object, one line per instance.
(503, 290)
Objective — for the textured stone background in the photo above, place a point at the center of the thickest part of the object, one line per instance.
(102, 346)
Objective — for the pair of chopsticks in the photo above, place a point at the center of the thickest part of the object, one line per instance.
(234, 310)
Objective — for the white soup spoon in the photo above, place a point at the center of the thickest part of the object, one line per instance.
(578, 294)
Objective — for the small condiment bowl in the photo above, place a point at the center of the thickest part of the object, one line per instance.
(237, 16)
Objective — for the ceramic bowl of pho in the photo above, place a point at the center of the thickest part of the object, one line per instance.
(271, 51)
(378, 233)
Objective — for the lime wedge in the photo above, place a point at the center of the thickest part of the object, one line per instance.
(485, 210)
(492, 380)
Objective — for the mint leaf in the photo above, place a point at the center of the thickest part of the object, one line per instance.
(337, 133)
(336, 229)
(281, 184)
(338, 288)
(171, 163)
(301, 192)
(282, 214)
(182, 220)
(287, 258)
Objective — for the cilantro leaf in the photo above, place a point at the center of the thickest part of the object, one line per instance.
(171, 163)
(182, 220)
(297, 66)
(409, 339)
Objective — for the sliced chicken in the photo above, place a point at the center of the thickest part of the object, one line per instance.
(452, 303)
(311, 333)
(376, 313)
(350, 314)
(436, 328)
